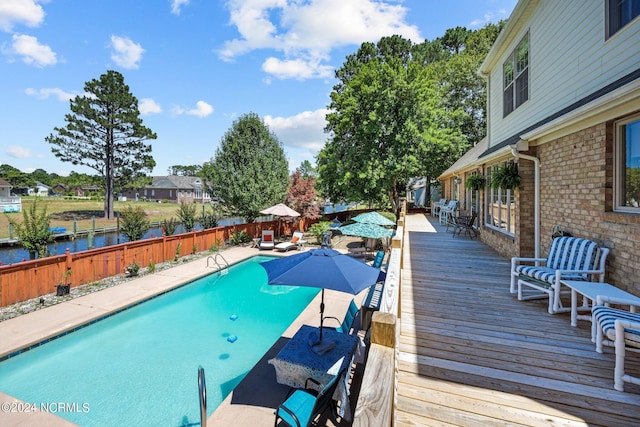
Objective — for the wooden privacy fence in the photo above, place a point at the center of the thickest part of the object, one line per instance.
(31, 279)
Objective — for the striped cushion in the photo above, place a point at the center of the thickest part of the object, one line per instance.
(606, 317)
(572, 253)
(566, 253)
(543, 275)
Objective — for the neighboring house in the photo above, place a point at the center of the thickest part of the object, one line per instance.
(173, 189)
(39, 190)
(8, 202)
(563, 85)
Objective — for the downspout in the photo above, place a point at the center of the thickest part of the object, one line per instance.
(536, 202)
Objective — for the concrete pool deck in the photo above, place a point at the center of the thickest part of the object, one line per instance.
(251, 403)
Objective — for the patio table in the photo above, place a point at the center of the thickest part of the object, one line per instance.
(297, 361)
(590, 291)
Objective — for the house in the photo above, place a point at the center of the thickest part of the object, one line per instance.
(39, 190)
(8, 202)
(173, 189)
(563, 88)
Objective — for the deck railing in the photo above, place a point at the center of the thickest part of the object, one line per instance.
(376, 402)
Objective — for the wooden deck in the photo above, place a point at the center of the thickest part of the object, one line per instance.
(471, 354)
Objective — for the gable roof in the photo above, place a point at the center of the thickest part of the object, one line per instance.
(469, 160)
(4, 183)
(175, 181)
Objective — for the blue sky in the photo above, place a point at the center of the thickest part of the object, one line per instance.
(197, 65)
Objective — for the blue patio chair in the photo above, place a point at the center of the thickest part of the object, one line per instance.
(377, 261)
(349, 318)
(302, 407)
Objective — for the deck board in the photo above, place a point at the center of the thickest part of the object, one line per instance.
(471, 354)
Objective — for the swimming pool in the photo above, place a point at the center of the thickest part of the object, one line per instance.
(139, 367)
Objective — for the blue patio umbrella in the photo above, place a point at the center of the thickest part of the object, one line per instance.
(323, 268)
(373, 218)
(366, 230)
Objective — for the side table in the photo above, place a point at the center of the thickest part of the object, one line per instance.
(590, 291)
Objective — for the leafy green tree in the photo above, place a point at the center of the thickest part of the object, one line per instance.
(249, 171)
(33, 232)
(209, 219)
(386, 120)
(40, 175)
(187, 215)
(307, 170)
(16, 177)
(179, 170)
(134, 222)
(104, 132)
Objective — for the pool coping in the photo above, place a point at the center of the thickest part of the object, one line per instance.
(31, 329)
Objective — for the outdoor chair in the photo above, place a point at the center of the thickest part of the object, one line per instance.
(369, 246)
(620, 329)
(447, 212)
(296, 242)
(569, 258)
(349, 318)
(326, 239)
(302, 407)
(465, 223)
(267, 240)
(435, 210)
(379, 258)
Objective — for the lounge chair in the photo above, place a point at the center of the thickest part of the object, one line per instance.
(379, 258)
(302, 407)
(620, 329)
(296, 242)
(267, 240)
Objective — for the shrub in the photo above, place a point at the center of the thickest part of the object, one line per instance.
(318, 228)
(239, 237)
(134, 222)
(132, 269)
(169, 226)
(152, 266)
(187, 215)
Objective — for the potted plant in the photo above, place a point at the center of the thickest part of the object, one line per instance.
(506, 176)
(475, 182)
(63, 288)
(132, 269)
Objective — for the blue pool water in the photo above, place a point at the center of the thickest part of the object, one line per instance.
(140, 367)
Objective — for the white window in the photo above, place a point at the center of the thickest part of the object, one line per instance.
(516, 77)
(627, 165)
(619, 13)
(500, 207)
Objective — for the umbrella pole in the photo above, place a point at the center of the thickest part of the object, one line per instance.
(321, 315)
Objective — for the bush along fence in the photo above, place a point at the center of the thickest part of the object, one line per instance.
(59, 273)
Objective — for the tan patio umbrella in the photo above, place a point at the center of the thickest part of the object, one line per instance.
(280, 210)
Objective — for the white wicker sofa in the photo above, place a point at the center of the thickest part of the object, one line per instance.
(569, 258)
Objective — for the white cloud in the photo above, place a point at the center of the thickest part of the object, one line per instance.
(149, 106)
(176, 6)
(18, 152)
(45, 93)
(202, 110)
(33, 52)
(296, 69)
(126, 53)
(27, 12)
(489, 17)
(307, 31)
(304, 130)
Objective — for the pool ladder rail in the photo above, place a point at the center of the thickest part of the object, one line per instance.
(202, 394)
(223, 266)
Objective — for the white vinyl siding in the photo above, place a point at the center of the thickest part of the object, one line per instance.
(569, 59)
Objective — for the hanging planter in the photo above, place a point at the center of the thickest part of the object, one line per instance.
(506, 176)
(475, 182)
